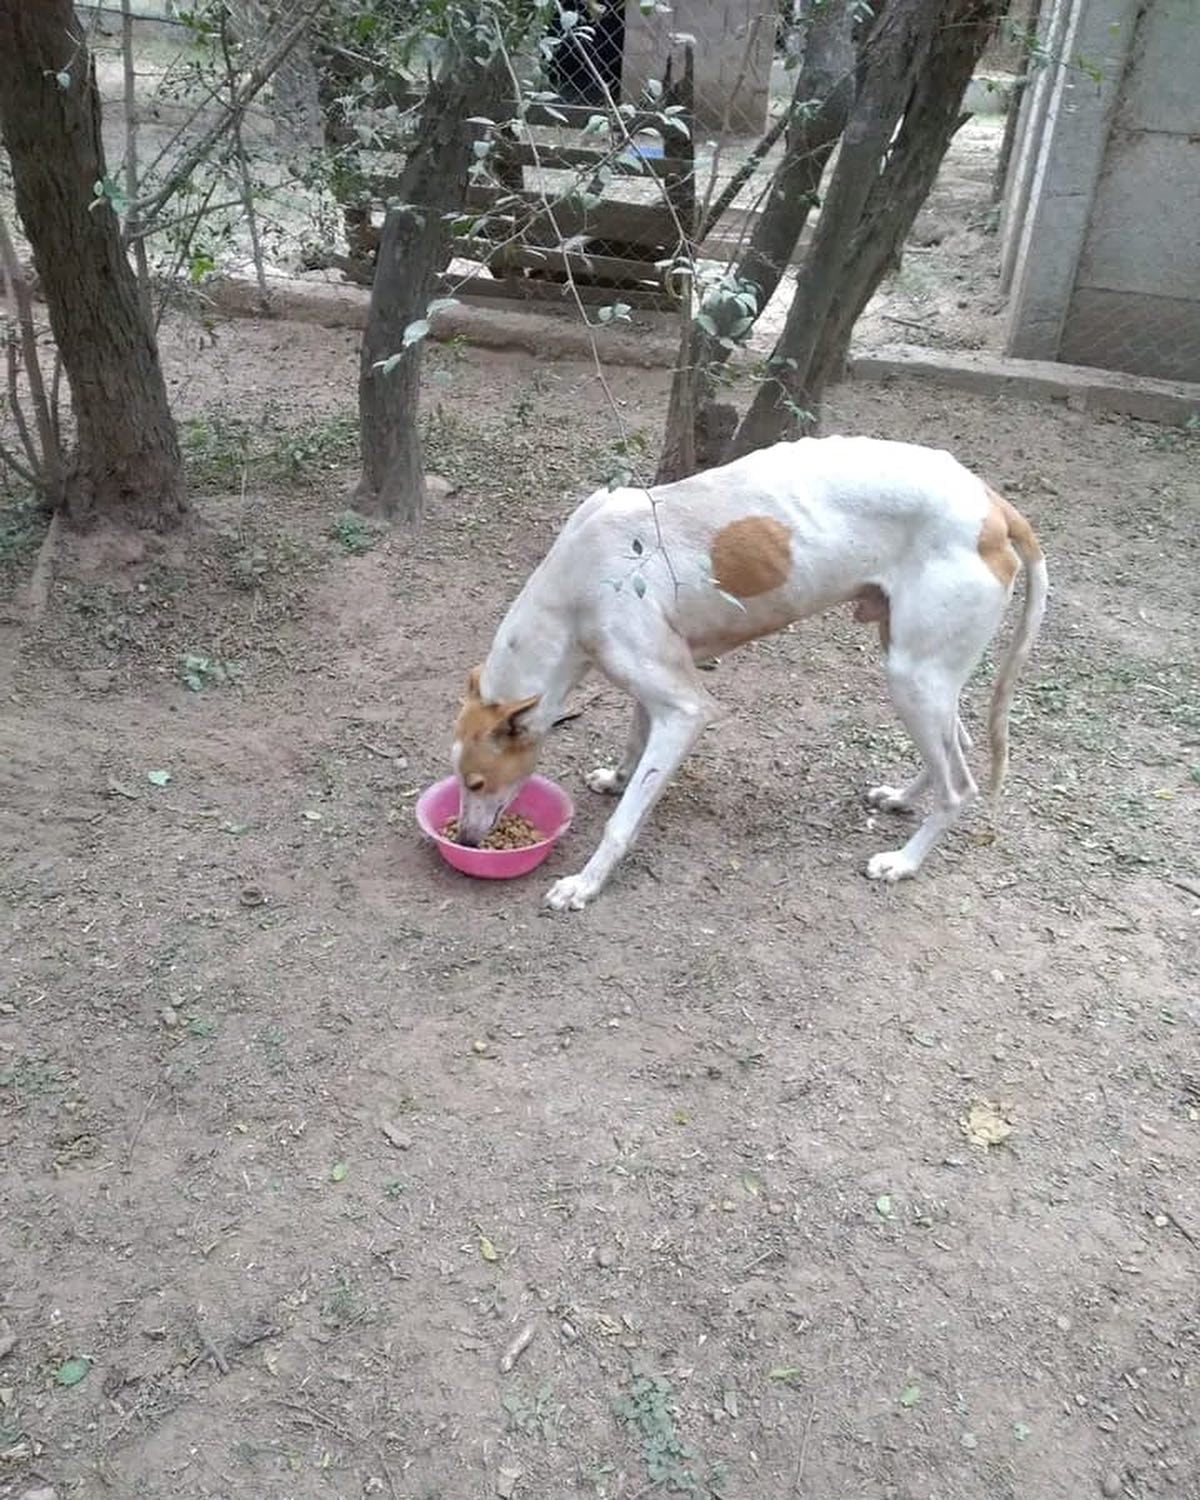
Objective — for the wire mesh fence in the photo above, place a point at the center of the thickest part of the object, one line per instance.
(608, 181)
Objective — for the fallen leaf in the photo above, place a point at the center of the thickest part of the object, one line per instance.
(72, 1371)
(910, 1395)
(487, 1249)
(985, 1124)
(1021, 1431)
(158, 778)
(785, 1372)
(310, 816)
(883, 1205)
(339, 1171)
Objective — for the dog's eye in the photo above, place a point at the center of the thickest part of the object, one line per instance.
(475, 783)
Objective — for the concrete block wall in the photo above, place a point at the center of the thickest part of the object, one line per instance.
(1100, 244)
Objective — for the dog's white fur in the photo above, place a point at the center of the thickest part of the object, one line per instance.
(627, 587)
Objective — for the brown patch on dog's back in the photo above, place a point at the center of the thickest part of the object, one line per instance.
(751, 556)
(1004, 527)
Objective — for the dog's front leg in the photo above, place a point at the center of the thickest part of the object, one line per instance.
(673, 732)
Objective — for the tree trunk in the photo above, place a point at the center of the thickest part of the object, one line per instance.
(126, 463)
(917, 63)
(931, 120)
(414, 248)
(817, 114)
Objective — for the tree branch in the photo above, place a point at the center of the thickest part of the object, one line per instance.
(260, 76)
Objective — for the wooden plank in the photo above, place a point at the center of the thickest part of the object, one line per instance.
(611, 268)
(647, 224)
(530, 289)
(554, 113)
(568, 158)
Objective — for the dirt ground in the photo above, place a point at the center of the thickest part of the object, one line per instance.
(299, 1130)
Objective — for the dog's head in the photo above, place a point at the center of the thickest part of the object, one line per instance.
(494, 754)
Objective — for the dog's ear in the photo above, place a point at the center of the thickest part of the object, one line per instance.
(473, 679)
(515, 713)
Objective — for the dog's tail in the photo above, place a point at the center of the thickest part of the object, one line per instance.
(1037, 583)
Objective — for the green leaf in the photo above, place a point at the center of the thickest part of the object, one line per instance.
(72, 1371)
(785, 1372)
(616, 312)
(487, 1249)
(415, 332)
(440, 304)
(1021, 1431)
(63, 79)
(883, 1205)
(158, 778)
(910, 1395)
(338, 1172)
(386, 366)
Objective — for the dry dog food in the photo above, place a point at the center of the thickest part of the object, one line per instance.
(511, 832)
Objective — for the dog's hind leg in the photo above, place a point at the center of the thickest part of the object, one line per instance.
(927, 701)
(904, 799)
(605, 778)
(927, 667)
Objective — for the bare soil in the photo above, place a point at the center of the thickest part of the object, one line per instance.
(299, 1130)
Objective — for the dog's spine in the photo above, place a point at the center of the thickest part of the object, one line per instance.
(1037, 585)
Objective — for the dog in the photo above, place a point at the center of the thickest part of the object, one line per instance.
(643, 583)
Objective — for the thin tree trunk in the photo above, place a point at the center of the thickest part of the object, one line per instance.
(817, 114)
(414, 248)
(917, 63)
(126, 465)
(133, 181)
(931, 120)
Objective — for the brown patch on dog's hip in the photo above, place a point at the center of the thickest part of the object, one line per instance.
(1005, 533)
(752, 556)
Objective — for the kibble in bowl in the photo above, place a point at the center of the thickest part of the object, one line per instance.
(512, 831)
(534, 822)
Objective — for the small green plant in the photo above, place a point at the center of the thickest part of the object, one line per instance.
(200, 672)
(21, 525)
(352, 534)
(344, 1305)
(326, 444)
(531, 1412)
(1171, 439)
(649, 1410)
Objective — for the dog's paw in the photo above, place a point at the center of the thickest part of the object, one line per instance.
(891, 866)
(571, 893)
(888, 799)
(606, 781)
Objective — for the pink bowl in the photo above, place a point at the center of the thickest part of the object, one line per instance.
(543, 802)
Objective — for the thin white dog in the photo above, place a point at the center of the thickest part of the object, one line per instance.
(642, 583)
